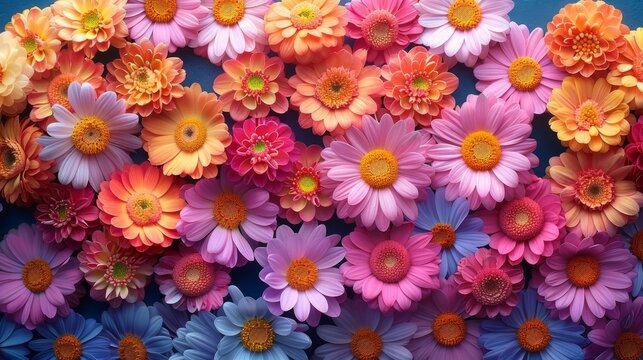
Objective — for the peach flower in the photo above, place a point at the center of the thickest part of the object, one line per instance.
(627, 72)
(38, 36)
(15, 73)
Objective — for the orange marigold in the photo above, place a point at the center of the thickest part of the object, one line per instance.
(627, 72)
(38, 36)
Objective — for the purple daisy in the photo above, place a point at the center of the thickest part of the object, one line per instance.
(618, 338)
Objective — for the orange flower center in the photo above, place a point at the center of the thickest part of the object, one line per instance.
(193, 276)
(336, 88)
(305, 15)
(525, 73)
(481, 150)
(589, 114)
(131, 347)
(521, 219)
(366, 344)
(229, 210)
(29, 43)
(583, 270)
(228, 12)
(190, 134)
(257, 335)
(378, 168)
(594, 189)
(37, 275)
(57, 90)
(533, 335)
(12, 159)
(67, 347)
(628, 346)
(586, 45)
(302, 274)
(160, 11)
(90, 135)
(390, 261)
(144, 209)
(449, 329)
(380, 29)
(92, 20)
(464, 14)
(443, 234)
(636, 245)
(255, 83)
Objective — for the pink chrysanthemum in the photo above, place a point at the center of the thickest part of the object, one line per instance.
(391, 270)
(489, 283)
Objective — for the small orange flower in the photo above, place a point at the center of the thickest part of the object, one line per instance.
(38, 36)
(15, 73)
(586, 37)
(627, 72)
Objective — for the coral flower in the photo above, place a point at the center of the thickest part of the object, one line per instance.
(382, 27)
(594, 191)
(634, 148)
(23, 174)
(334, 93)
(305, 31)
(588, 114)
(627, 71)
(38, 36)
(252, 85)
(518, 70)
(489, 283)
(190, 139)
(146, 78)
(417, 85)
(619, 338)
(15, 73)
(142, 205)
(91, 25)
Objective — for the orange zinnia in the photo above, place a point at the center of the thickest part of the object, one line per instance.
(627, 72)
(38, 36)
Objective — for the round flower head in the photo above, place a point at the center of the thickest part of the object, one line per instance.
(361, 333)
(483, 150)
(376, 173)
(300, 271)
(334, 93)
(489, 283)
(252, 85)
(585, 277)
(198, 339)
(621, 337)
(15, 73)
(304, 31)
(633, 236)
(627, 71)
(36, 277)
(518, 70)
(594, 191)
(222, 218)
(38, 36)
(142, 205)
(530, 332)
(463, 29)
(14, 340)
(251, 332)
(189, 282)
(586, 37)
(190, 139)
(634, 148)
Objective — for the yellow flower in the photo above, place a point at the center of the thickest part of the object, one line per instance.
(37, 35)
(15, 73)
(627, 73)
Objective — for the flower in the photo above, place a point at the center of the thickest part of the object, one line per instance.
(382, 27)
(363, 333)
(594, 190)
(633, 234)
(35, 277)
(463, 29)
(586, 276)
(302, 197)
(448, 224)
(235, 27)
(38, 37)
(115, 271)
(588, 115)
(300, 271)
(529, 331)
(585, 37)
(334, 93)
(251, 332)
(634, 148)
(173, 319)
(91, 143)
(371, 168)
(627, 71)
(483, 151)
(171, 22)
(198, 339)
(252, 85)
(142, 205)
(65, 213)
(72, 337)
(91, 25)
(190, 139)
(417, 85)
(620, 337)
(262, 152)
(22, 172)
(489, 283)
(222, 217)
(146, 78)
(14, 340)
(189, 282)
(15, 73)
(304, 31)
(518, 70)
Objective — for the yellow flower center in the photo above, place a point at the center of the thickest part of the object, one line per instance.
(378, 168)
(585, 45)
(90, 135)
(336, 88)
(583, 271)
(190, 134)
(228, 12)
(464, 14)
(92, 20)
(229, 210)
(302, 274)
(30, 44)
(144, 209)
(449, 329)
(160, 11)
(305, 15)
(594, 189)
(443, 234)
(57, 90)
(131, 347)
(589, 114)
(67, 347)
(420, 82)
(307, 184)
(481, 150)
(628, 346)
(257, 335)
(366, 344)
(37, 275)
(636, 245)
(12, 159)
(533, 335)
(525, 73)
(255, 83)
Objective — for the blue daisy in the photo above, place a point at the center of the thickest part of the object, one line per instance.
(13, 340)
(173, 319)
(633, 233)
(450, 226)
(199, 338)
(251, 332)
(529, 333)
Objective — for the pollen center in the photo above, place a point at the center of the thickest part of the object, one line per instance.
(144, 209)
(533, 335)
(336, 88)
(379, 168)
(380, 29)
(586, 45)
(306, 15)
(193, 276)
(67, 347)
(302, 274)
(390, 261)
(449, 329)
(481, 150)
(12, 159)
(30, 44)
(583, 271)
(589, 114)
(119, 270)
(91, 21)
(57, 90)
(307, 184)
(594, 189)
(521, 219)
(443, 234)
(161, 11)
(492, 287)
(228, 12)
(366, 344)
(628, 346)
(257, 335)
(525, 73)
(190, 134)
(255, 83)
(90, 135)
(464, 14)
(37, 275)
(131, 347)
(229, 210)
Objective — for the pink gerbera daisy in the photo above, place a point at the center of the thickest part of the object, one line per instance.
(392, 270)
(489, 283)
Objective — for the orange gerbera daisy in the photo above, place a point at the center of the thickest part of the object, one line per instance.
(191, 139)
(23, 174)
(38, 36)
(336, 91)
(15, 73)
(627, 72)
(585, 37)
(91, 25)
(305, 30)
(588, 115)
(142, 205)
(146, 78)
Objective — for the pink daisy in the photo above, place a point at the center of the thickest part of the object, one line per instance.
(489, 283)
(392, 270)
(483, 151)
(518, 70)
(377, 173)
(300, 271)
(36, 278)
(383, 27)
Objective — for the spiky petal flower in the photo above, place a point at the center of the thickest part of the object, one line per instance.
(36, 33)
(15, 73)
(627, 71)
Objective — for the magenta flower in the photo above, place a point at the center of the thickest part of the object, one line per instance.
(619, 338)
(634, 148)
